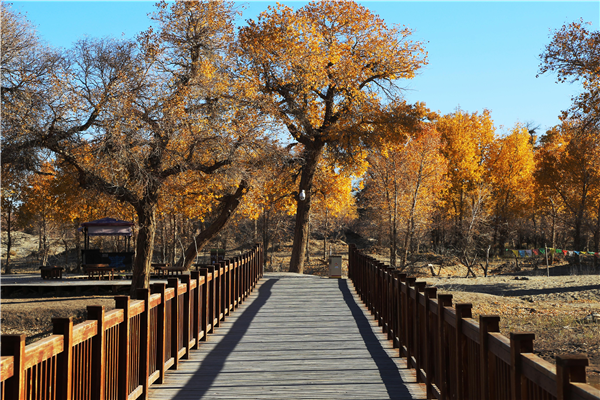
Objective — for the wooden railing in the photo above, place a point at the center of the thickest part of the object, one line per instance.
(456, 356)
(118, 354)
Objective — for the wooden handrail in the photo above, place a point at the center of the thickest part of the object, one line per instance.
(453, 354)
(129, 342)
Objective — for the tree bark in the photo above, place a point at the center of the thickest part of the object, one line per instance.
(394, 228)
(312, 157)
(146, 213)
(266, 236)
(228, 207)
(308, 241)
(7, 267)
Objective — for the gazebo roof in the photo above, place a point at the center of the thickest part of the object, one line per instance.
(108, 222)
(107, 227)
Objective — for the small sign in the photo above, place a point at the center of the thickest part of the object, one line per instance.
(335, 266)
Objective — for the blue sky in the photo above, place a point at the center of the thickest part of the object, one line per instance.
(482, 55)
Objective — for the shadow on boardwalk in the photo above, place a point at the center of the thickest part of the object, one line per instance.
(296, 337)
(388, 370)
(213, 363)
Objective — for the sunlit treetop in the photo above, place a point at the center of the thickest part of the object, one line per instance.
(327, 66)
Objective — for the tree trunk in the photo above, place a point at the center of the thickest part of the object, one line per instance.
(597, 238)
(410, 226)
(66, 244)
(487, 261)
(578, 239)
(229, 205)
(45, 248)
(325, 238)
(308, 241)
(256, 230)
(265, 236)
(312, 157)
(394, 230)
(553, 233)
(7, 268)
(77, 246)
(146, 213)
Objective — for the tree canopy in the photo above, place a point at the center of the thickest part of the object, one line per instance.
(329, 73)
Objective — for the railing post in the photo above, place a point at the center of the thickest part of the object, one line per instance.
(409, 321)
(123, 302)
(444, 300)
(175, 315)
(186, 314)
(417, 330)
(64, 384)
(396, 309)
(14, 345)
(205, 303)
(144, 294)
(487, 324)
(428, 338)
(402, 286)
(212, 298)
(261, 256)
(161, 335)
(218, 278)
(244, 276)
(96, 313)
(569, 368)
(196, 304)
(235, 285)
(463, 310)
(387, 324)
(227, 302)
(519, 343)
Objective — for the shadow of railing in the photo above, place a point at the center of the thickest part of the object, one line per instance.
(388, 370)
(212, 365)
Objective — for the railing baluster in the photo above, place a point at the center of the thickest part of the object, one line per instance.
(186, 315)
(97, 314)
(195, 307)
(64, 326)
(123, 302)
(161, 327)
(144, 371)
(487, 323)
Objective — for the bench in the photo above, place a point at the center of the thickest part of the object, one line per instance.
(51, 272)
(99, 270)
(163, 270)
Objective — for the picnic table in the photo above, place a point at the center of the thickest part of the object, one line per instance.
(51, 272)
(99, 270)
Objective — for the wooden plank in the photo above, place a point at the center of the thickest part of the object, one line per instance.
(470, 328)
(42, 350)
(7, 367)
(84, 331)
(155, 300)
(295, 337)
(136, 308)
(112, 318)
(500, 346)
(540, 372)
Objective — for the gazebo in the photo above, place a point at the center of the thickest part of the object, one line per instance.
(107, 227)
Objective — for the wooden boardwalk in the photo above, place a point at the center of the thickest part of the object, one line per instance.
(296, 337)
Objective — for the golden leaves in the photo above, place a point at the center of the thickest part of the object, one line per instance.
(318, 63)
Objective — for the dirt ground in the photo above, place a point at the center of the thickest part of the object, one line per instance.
(563, 311)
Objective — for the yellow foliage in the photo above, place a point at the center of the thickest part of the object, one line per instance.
(511, 167)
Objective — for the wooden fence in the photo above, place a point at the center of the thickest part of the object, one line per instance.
(453, 354)
(117, 355)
